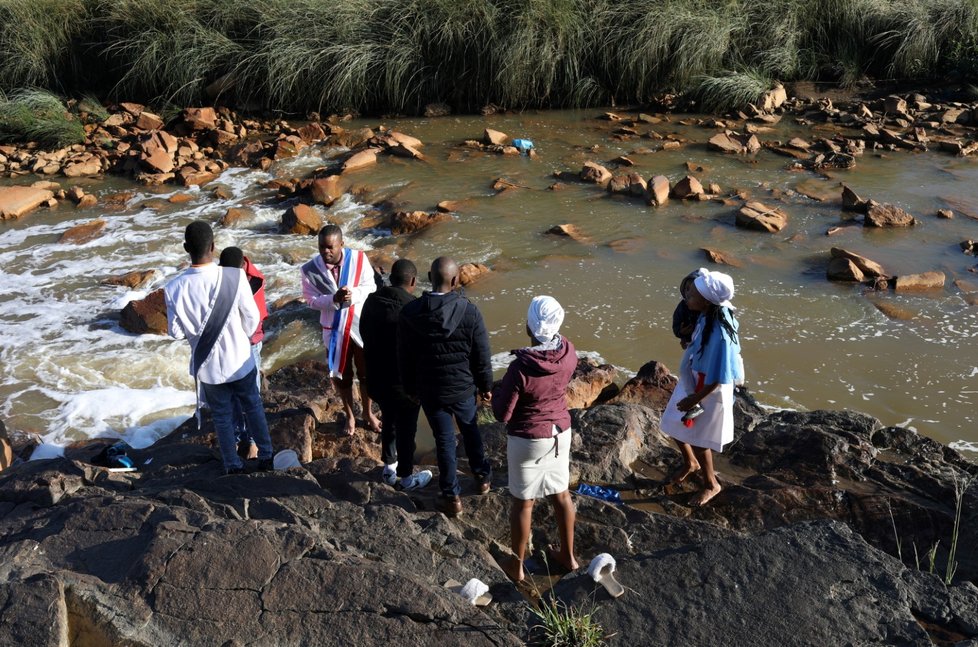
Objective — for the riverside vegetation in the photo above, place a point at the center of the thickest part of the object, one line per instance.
(398, 56)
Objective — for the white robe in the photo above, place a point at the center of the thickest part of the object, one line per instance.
(711, 429)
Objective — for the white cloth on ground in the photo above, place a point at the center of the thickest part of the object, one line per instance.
(538, 467)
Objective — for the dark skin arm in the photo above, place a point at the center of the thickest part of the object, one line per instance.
(693, 399)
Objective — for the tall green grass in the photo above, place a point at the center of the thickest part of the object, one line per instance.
(38, 116)
(398, 55)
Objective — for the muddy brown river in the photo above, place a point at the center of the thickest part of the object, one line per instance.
(68, 371)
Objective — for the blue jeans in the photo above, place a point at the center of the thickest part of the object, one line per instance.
(221, 398)
(442, 418)
(237, 417)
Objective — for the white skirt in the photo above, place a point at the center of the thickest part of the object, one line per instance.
(714, 427)
(538, 467)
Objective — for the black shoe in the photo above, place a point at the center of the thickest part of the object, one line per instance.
(265, 465)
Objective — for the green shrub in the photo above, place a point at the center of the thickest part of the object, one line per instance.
(38, 116)
(559, 625)
(731, 91)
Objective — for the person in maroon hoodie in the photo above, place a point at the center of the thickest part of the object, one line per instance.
(530, 400)
(234, 257)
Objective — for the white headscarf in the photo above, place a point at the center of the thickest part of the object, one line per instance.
(544, 318)
(691, 277)
(717, 288)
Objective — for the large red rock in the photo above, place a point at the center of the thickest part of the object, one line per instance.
(360, 160)
(83, 233)
(407, 140)
(16, 201)
(687, 188)
(920, 282)
(145, 315)
(200, 118)
(652, 387)
(131, 280)
(658, 190)
(760, 217)
(469, 273)
(866, 266)
(594, 172)
(844, 269)
(731, 142)
(191, 176)
(83, 167)
(588, 383)
(852, 202)
(411, 222)
(327, 190)
(301, 219)
(149, 121)
(494, 137)
(888, 215)
(233, 216)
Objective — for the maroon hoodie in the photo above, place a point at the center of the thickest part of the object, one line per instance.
(531, 397)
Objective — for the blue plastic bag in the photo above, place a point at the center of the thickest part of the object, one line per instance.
(525, 145)
(608, 494)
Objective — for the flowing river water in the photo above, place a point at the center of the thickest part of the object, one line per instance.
(69, 371)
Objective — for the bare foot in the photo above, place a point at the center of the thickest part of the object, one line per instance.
(683, 473)
(373, 423)
(556, 557)
(706, 495)
(513, 569)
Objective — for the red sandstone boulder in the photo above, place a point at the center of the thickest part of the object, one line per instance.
(865, 265)
(16, 201)
(469, 273)
(920, 282)
(327, 190)
(888, 215)
(567, 231)
(411, 222)
(760, 217)
(301, 219)
(844, 269)
(233, 216)
(83, 233)
(658, 190)
(200, 118)
(131, 280)
(589, 382)
(494, 137)
(594, 172)
(149, 121)
(731, 142)
(360, 160)
(688, 188)
(652, 387)
(146, 315)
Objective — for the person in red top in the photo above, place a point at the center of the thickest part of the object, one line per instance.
(234, 257)
(531, 400)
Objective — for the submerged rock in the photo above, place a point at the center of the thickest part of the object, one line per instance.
(145, 315)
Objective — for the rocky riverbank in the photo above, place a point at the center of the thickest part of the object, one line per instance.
(802, 546)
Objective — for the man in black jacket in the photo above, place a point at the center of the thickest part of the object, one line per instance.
(399, 413)
(443, 350)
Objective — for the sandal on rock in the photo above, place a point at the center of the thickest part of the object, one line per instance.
(602, 571)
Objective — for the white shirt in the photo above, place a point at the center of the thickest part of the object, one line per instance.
(189, 300)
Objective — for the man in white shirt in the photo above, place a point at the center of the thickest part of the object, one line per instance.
(213, 308)
(337, 282)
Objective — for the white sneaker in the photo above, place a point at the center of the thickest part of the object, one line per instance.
(416, 481)
(390, 474)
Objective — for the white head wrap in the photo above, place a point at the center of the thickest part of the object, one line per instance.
(544, 318)
(690, 277)
(717, 288)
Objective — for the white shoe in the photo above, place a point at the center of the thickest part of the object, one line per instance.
(415, 481)
(390, 474)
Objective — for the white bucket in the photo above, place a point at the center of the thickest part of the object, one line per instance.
(285, 459)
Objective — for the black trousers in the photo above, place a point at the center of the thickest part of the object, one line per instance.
(399, 426)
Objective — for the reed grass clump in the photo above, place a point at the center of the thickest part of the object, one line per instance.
(398, 55)
(560, 625)
(733, 91)
(38, 116)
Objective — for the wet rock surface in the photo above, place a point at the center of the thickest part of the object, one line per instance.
(177, 553)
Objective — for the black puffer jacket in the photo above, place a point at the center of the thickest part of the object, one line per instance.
(378, 328)
(443, 349)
